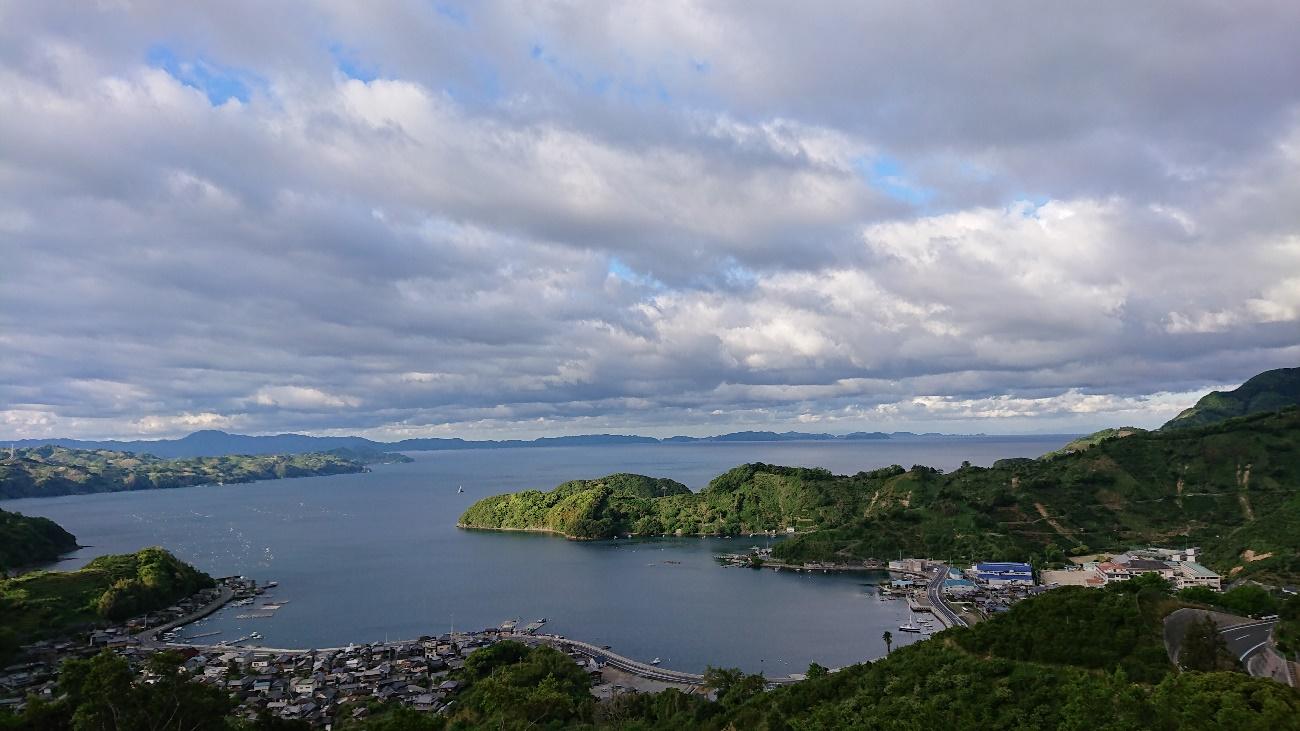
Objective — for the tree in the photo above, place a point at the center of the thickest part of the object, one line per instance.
(888, 637)
(1204, 648)
(102, 694)
(732, 686)
(816, 670)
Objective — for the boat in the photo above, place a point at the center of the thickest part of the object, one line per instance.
(460, 489)
(655, 661)
(272, 584)
(909, 627)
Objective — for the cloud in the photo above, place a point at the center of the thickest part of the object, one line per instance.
(677, 217)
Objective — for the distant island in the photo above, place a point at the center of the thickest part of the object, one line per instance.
(212, 443)
(26, 541)
(1229, 486)
(49, 470)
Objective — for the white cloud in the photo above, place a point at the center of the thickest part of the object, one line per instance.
(667, 219)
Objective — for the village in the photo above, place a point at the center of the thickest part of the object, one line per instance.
(322, 685)
(316, 686)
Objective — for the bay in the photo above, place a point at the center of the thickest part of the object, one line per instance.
(376, 556)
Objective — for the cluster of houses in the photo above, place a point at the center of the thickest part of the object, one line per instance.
(991, 586)
(1177, 566)
(317, 686)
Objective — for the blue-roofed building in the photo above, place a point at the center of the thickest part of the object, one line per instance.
(1009, 573)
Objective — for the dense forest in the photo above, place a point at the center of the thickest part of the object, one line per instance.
(49, 470)
(1231, 487)
(25, 541)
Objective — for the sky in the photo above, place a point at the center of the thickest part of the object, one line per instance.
(516, 219)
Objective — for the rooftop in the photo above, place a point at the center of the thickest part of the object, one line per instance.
(1198, 570)
(1000, 567)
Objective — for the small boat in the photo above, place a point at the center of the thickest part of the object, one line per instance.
(272, 584)
(909, 627)
(655, 661)
(460, 489)
(604, 647)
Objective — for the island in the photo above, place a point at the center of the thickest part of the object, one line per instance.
(52, 470)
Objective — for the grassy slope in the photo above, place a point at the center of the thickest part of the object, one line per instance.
(48, 603)
(1269, 391)
(46, 471)
(27, 540)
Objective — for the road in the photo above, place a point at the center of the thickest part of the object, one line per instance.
(941, 608)
(1245, 640)
(629, 665)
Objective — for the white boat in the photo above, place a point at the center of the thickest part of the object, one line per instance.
(655, 661)
(909, 627)
(460, 489)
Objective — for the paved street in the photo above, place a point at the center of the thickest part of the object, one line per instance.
(1245, 640)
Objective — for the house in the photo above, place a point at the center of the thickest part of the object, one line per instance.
(1112, 571)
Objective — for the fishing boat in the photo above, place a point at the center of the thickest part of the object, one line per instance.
(460, 489)
(655, 661)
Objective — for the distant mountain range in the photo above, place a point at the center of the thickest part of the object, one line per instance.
(212, 443)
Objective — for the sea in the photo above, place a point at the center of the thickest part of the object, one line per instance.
(377, 556)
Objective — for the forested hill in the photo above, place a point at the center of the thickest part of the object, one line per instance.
(1232, 488)
(1269, 391)
(25, 541)
(596, 508)
(49, 470)
(110, 588)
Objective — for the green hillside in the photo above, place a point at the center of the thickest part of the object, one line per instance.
(1093, 439)
(109, 589)
(1231, 488)
(25, 541)
(1269, 391)
(577, 509)
(50, 470)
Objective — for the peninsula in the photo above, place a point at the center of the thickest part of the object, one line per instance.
(50, 470)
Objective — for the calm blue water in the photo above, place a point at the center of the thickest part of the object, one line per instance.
(373, 556)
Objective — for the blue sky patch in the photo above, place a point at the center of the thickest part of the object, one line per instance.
(620, 269)
(348, 62)
(886, 174)
(218, 82)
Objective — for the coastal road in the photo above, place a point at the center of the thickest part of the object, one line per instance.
(628, 665)
(1245, 640)
(941, 608)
